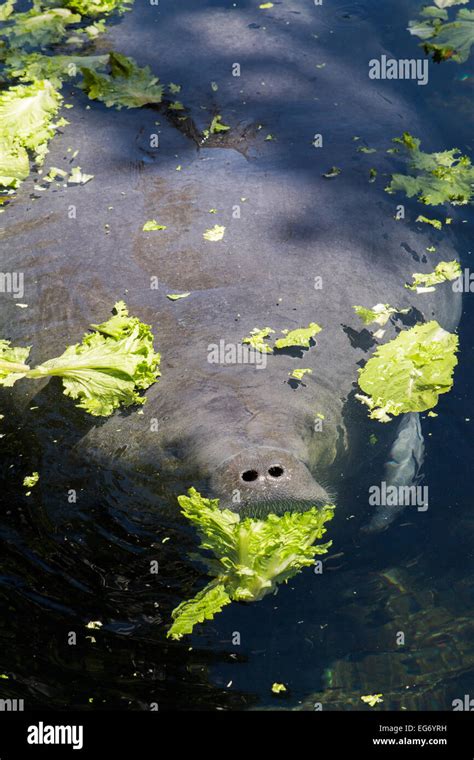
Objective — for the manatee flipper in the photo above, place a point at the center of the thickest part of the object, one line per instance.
(402, 468)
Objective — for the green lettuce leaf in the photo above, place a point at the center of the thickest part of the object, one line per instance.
(55, 68)
(204, 606)
(445, 39)
(410, 372)
(105, 371)
(299, 337)
(298, 374)
(6, 9)
(95, 8)
(380, 313)
(127, 85)
(435, 178)
(38, 29)
(31, 480)
(256, 339)
(445, 270)
(12, 362)
(436, 223)
(449, 3)
(14, 164)
(26, 119)
(251, 556)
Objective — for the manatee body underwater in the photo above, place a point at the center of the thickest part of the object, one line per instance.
(299, 247)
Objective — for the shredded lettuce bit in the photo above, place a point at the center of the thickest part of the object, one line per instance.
(372, 699)
(436, 223)
(127, 85)
(251, 556)
(380, 313)
(152, 225)
(445, 270)
(216, 126)
(410, 372)
(435, 178)
(214, 234)
(103, 372)
(177, 296)
(298, 374)
(256, 339)
(78, 177)
(31, 480)
(334, 171)
(299, 337)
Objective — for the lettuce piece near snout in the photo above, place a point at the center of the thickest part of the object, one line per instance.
(409, 373)
(103, 372)
(250, 556)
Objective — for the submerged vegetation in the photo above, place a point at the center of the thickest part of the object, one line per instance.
(250, 556)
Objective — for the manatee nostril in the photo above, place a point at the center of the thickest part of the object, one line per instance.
(249, 475)
(276, 471)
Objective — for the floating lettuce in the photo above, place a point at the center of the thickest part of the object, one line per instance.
(436, 178)
(298, 374)
(106, 370)
(214, 234)
(443, 38)
(216, 127)
(251, 556)
(410, 372)
(31, 480)
(6, 9)
(14, 164)
(97, 7)
(436, 223)
(152, 225)
(55, 68)
(26, 123)
(36, 28)
(445, 270)
(127, 85)
(380, 313)
(256, 339)
(299, 337)
(177, 296)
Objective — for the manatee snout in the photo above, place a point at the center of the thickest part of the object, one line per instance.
(260, 480)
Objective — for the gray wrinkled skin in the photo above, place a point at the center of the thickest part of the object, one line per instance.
(218, 422)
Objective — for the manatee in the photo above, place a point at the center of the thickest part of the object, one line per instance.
(298, 247)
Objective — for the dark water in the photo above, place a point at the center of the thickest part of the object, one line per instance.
(329, 641)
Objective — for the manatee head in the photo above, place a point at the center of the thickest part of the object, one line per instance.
(263, 479)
